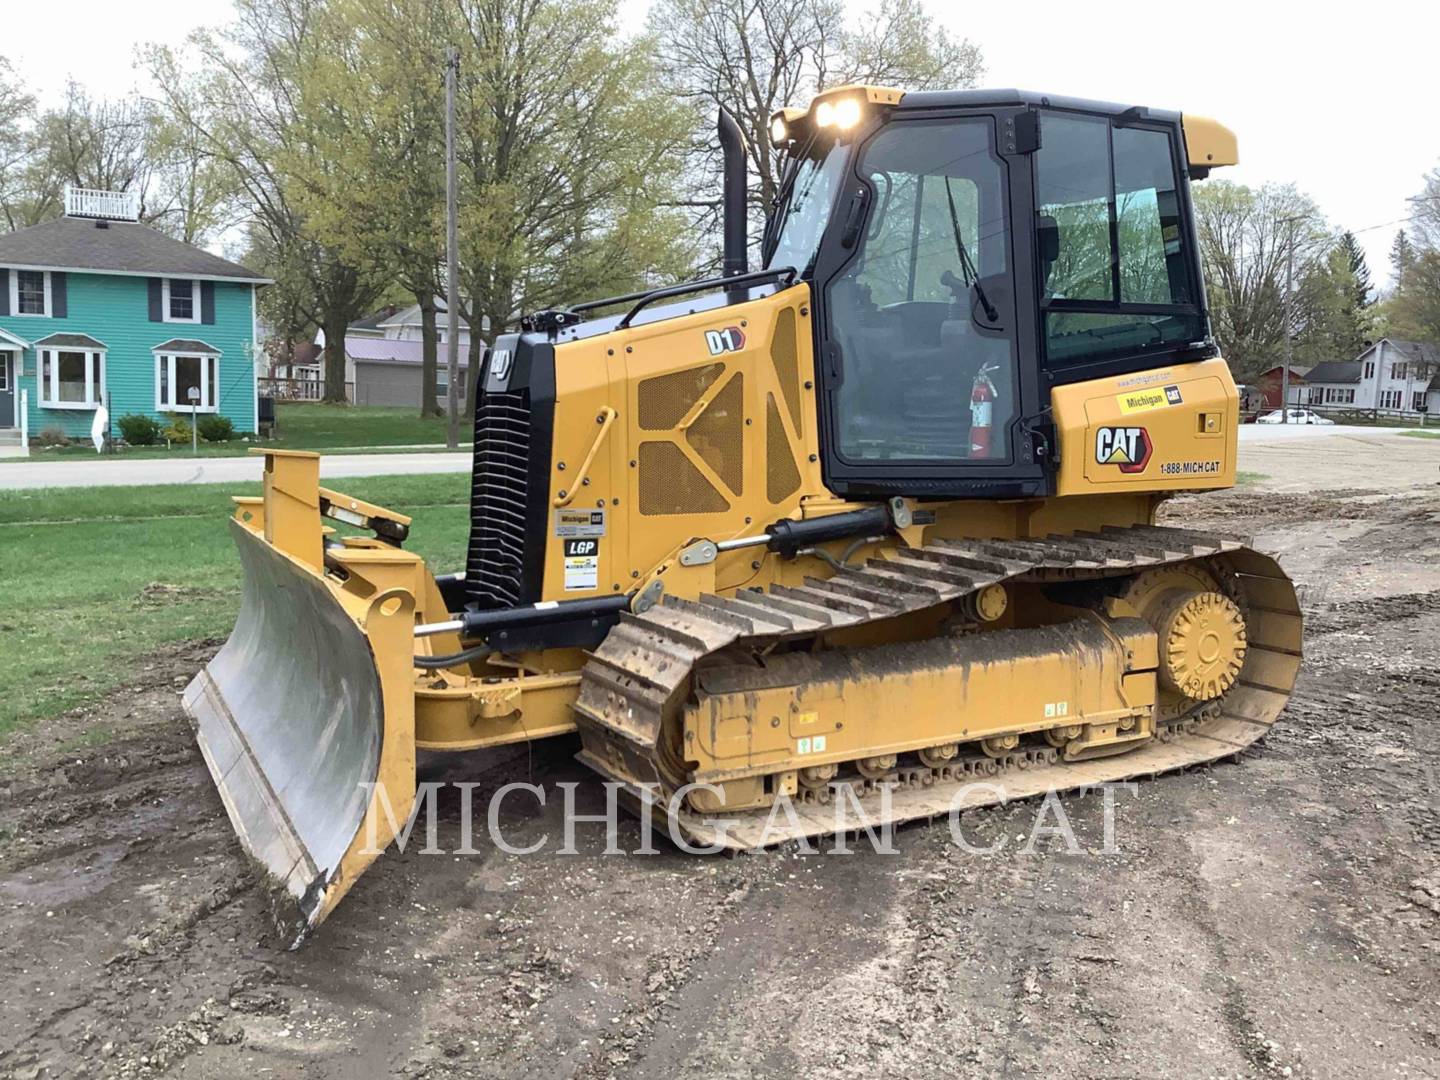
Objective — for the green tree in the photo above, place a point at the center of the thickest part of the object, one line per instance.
(569, 151)
(1354, 257)
(1332, 322)
(247, 100)
(375, 105)
(1414, 312)
(1402, 254)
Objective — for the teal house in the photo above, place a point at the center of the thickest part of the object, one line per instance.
(98, 311)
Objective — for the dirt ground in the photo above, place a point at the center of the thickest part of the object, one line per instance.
(1279, 916)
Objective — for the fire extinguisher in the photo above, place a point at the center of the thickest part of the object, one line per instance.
(982, 412)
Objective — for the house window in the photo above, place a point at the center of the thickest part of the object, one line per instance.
(1369, 369)
(71, 378)
(1390, 399)
(178, 374)
(181, 300)
(1397, 371)
(30, 292)
(1417, 402)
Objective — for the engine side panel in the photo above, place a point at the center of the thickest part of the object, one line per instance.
(701, 425)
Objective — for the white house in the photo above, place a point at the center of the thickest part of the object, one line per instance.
(1391, 376)
(405, 325)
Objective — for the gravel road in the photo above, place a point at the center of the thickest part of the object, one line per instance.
(1279, 916)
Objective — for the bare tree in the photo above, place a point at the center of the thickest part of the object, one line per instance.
(754, 57)
(1244, 236)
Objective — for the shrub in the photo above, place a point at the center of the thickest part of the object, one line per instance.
(138, 430)
(215, 428)
(51, 436)
(178, 431)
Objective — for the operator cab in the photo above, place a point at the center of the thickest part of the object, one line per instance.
(969, 250)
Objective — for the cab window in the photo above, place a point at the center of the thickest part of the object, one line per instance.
(1115, 266)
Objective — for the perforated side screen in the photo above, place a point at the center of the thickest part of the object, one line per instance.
(784, 352)
(670, 484)
(718, 434)
(665, 399)
(781, 476)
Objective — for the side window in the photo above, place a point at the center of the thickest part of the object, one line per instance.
(1148, 225)
(1112, 242)
(1072, 181)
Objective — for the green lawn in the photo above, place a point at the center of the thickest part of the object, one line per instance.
(96, 578)
(1421, 434)
(1244, 478)
(305, 426)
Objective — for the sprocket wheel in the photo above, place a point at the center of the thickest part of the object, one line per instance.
(1201, 632)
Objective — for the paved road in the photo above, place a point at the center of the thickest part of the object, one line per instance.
(106, 472)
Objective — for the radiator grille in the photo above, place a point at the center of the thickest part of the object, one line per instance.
(781, 476)
(670, 484)
(498, 498)
(718, 434)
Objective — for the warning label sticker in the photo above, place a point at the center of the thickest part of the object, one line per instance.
(582, 565)
(579, 523)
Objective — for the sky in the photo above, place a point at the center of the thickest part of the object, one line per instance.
(1338, 99)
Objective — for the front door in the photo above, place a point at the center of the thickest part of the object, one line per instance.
(920, 360)
(7, 389)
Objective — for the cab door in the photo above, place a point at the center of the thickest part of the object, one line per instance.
(921, 349)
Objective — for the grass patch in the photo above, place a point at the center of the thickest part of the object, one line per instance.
(1243, 478)
(305, 426)
(97, 578)
(1421, 434)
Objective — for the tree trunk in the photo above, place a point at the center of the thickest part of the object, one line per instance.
(335, 324)
(428, 352)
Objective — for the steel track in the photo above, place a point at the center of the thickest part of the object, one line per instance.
(640, 677)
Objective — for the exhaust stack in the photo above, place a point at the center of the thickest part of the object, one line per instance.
(732, 144)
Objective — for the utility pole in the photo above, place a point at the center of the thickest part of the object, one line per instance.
(1289, 326)
(452, 258)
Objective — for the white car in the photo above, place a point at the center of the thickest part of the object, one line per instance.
(1297, 416)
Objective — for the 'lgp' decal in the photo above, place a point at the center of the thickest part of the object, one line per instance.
(1126, 447)
(731, 339)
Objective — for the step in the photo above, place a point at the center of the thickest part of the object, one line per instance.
(16, 451)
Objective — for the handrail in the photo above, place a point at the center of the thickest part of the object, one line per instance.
(605, 418)
(755, 277)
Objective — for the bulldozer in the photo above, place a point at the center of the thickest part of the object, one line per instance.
(874, 521)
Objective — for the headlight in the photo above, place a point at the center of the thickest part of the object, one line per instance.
(779, 133)
(847, 113)
(824, 114)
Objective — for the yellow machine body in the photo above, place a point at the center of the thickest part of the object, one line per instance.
(968, 638)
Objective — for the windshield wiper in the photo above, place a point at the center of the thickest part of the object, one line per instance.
(967, 267)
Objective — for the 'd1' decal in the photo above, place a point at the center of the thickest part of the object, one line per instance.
(731, 339)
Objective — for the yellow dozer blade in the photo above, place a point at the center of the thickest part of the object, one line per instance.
(306, 716)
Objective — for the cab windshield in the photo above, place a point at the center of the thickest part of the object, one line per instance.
(803, 217)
